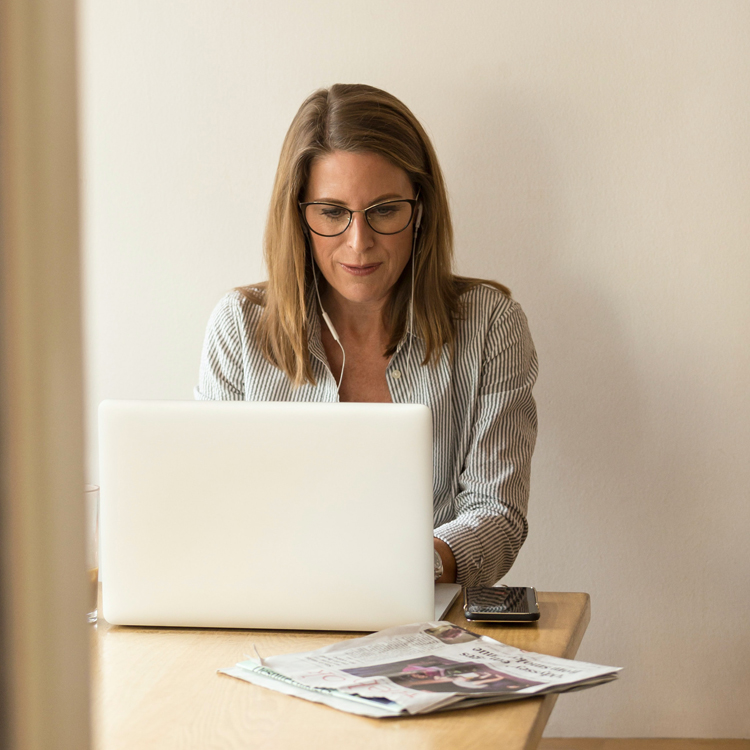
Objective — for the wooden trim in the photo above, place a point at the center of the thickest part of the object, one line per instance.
(594, 743)
(45, 637)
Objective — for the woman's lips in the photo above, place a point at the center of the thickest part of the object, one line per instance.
(360, 270)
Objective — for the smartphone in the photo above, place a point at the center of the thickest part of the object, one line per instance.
(501, 604)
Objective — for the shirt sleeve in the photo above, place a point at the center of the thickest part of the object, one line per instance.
(490, 524)
(221, 375)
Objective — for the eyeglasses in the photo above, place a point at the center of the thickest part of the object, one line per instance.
(330, 220)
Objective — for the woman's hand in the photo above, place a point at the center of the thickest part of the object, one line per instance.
(449, 562)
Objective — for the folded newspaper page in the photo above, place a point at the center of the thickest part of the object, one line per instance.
(418, 669)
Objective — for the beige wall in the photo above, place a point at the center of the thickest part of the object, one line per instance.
(598, 159)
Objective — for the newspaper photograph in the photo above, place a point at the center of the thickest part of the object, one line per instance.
(417, 669)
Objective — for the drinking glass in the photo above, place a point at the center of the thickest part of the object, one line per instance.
(91, 497)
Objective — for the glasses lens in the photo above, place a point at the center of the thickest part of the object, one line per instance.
(391, 217)
(326, 219)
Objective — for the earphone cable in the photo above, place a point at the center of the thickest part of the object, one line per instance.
(330, 325)
(411, 301)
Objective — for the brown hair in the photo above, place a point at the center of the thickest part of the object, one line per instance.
(355, 117)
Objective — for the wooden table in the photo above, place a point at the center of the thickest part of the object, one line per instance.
(158, 688)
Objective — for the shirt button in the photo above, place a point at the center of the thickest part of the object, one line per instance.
(396, 374)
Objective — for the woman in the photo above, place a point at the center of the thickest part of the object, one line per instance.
(361, 305)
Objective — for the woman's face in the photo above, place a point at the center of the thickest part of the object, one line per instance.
(360, 265)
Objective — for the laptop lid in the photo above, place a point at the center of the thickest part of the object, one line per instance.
(266, 515)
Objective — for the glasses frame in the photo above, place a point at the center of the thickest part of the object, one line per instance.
(411, 201)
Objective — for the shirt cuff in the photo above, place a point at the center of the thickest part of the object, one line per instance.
(466, 548)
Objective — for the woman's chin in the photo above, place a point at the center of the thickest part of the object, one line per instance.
(360, 289)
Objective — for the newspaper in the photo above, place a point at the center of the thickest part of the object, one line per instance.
(418, 669)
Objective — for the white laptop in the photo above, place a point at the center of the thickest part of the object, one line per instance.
(267, 515)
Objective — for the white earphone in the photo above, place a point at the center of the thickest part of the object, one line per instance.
(329, 323)
(414, 252)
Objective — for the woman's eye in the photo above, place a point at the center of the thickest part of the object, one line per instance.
(332, 213)
(384, 210)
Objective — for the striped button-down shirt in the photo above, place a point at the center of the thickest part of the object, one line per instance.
(484, 416)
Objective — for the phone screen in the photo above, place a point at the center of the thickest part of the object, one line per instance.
(484, 600)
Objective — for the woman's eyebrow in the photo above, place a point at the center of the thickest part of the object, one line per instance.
(379, 199)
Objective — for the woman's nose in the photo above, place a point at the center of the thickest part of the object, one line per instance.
(360, 234)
